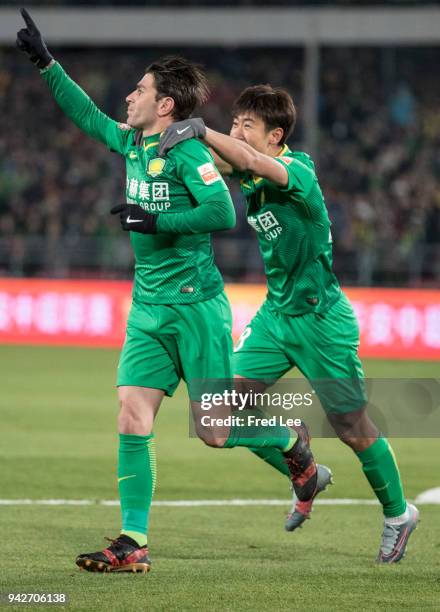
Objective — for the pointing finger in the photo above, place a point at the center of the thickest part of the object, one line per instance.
(29, 21)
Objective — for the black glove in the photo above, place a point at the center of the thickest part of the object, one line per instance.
(180, 131)
(135, 219)
(31, 42)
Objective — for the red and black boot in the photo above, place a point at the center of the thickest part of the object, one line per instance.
(123, 555)
(301, 464)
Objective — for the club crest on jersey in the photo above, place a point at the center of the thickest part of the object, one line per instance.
(155, 166)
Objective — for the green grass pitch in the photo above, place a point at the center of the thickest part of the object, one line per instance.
(58, 412)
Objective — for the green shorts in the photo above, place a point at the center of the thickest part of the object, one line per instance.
(324, 347)
(165, 343)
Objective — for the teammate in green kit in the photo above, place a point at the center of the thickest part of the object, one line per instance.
(179, 325)
(306, 321)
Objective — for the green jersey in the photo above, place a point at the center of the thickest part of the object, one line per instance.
(293, 231)
(185, 190)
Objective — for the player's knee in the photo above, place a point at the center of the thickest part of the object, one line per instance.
(135, 417)
(354, 429)
(358, 443)
(348, 440)
(210, 438)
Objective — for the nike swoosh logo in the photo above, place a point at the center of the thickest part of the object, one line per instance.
(184, 130)
(382, 488)
(125, 477)
(129, 220)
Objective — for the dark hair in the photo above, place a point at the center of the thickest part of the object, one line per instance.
(273, 105)
(181, 80)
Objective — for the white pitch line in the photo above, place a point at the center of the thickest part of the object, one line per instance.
(182, 503)
(261, 502)
(190, 503)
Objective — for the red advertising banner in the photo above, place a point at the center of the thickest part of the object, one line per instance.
(394, 323)
(63, 312)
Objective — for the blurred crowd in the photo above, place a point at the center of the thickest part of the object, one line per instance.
(378, 161)
(242, 3)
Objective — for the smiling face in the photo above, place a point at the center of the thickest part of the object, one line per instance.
(264, 117)
(144, 109)
(251, 129)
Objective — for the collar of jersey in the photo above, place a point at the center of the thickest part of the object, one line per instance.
(283, 151)
(150, 141)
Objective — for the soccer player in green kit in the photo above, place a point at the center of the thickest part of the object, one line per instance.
(179, 325)
(306, 321)
(178, 297)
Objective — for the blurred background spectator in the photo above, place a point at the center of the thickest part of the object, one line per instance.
(378, 161)
(241, 3)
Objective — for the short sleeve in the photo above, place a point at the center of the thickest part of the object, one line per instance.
(301, 178)
(196, 169)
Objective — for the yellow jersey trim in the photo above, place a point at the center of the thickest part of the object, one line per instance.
(149, 145)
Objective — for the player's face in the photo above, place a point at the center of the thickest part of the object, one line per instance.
(251, 129)
(143, 107)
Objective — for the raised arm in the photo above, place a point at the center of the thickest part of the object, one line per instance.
(223, 167)
(71, 98)
(84, 113)
(245, 158)
(237, 153)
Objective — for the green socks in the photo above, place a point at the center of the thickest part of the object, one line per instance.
(260, 436)
(136, 481)
(380, 467)
(378, 464)
(274, 457)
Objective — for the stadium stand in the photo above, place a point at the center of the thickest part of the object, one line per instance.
(378, 161)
